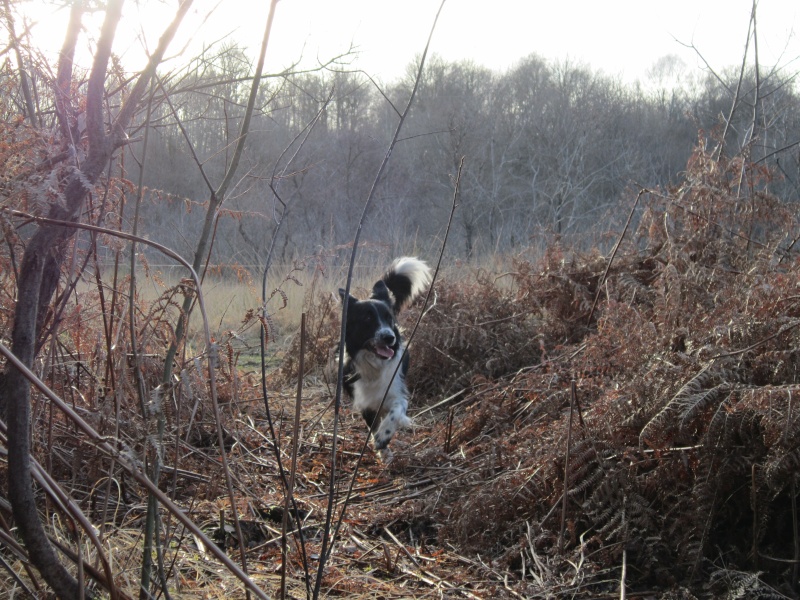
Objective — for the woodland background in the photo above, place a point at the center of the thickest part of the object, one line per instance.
(604, 375)
(551, 148)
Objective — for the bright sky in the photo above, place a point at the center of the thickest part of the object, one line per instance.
(619, 37)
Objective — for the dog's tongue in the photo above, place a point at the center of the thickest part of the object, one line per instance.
(384, 351)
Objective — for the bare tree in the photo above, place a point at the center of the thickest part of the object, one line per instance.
(40, 270)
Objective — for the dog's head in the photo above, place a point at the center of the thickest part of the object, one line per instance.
(372, 326)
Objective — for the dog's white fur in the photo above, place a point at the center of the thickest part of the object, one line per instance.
(376, 380)
(417, 271)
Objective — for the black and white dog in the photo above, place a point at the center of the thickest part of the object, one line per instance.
(374, 348)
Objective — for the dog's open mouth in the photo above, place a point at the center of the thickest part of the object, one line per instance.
(382, 350)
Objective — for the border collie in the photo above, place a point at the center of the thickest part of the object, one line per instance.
(374, 348)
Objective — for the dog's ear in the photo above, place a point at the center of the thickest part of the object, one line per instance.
(382, 293)
(350, 299)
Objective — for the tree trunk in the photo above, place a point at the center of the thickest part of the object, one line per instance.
(16, 397)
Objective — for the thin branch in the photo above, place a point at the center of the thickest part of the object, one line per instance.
(66, 59)
(778, 151)
(154, 468)
(613, 254)
(251, 101)
(757, 91)
(340, 375)
(381, 92)
(735, 102)
(204, 241)
(185, 135)
(711, 70)
(304, 134)
(23, 75)
(295, 447)
(567, 453)
(45, 481)
(131, 104)
(422, 312)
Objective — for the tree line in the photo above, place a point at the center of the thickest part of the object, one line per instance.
(550, 149)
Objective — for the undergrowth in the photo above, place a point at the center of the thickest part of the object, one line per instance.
(684, 446)
(677, 453)
(685, 442)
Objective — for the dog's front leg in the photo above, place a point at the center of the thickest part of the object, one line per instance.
(394, 419)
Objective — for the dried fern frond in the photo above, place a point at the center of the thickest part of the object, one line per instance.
(695, 396)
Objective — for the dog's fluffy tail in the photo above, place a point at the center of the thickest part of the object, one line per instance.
(407, 278)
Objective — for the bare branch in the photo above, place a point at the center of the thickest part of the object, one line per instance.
(23, 75)
(66, 58)
(324, 552)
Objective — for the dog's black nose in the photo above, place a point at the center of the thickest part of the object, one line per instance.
(387, 338)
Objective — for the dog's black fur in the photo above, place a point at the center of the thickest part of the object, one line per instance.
(374, 347)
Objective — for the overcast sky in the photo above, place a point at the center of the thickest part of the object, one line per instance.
(619, 37)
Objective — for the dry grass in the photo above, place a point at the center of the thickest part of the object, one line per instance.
(679, 475)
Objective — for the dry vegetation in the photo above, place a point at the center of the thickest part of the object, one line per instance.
(683, 452)
(677, 451)
(603, 423)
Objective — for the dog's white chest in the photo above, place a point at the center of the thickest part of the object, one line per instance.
(375, 380)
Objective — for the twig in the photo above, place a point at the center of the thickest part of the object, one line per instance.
(613, 254)
(186, 138)
(735, 102)
(23, 75)
(440, 403)
(457, 184)
(402, 548)
(795, 537)
(17, 579)
(295, 445)
(757, 91)
(423, 575)
(778, 151)
(216, 199)
(145, 572)
(263, 332)
(449, 431)
(14, 546)
(565, 495)
(45, 480)
(781, 331)
(75, 557)
(327, 539)
(756, 516)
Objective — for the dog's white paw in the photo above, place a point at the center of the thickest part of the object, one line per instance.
(385, 433)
